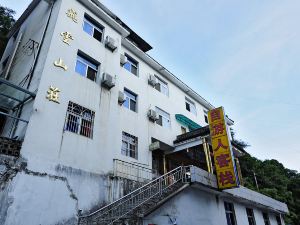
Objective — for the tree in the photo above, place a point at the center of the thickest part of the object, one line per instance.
(6, 22)
(242, 145)
(273, 180)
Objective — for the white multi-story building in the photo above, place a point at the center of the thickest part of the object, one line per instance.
(87, 116)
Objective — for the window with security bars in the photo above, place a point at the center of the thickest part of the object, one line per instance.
(129, 145)
(230, 214)
(250, 215)
(79, 120)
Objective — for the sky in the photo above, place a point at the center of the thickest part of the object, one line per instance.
(243, 55)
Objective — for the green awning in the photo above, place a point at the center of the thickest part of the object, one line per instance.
(187, 122)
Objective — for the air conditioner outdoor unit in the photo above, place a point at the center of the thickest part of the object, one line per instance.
(110, 43)
(123, 59)
(121, 98)
(152, 115)
(108, 81)
(152, 80)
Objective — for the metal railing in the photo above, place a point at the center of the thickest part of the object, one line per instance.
(155, 189)
(133, 171)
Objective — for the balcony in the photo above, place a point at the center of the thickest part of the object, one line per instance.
(132, 171)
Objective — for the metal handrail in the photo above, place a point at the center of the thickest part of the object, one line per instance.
(133, 171)
(133, 200)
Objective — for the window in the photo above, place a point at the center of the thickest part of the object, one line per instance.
(162, 86)
(190, 106)
(230, 214)
(130, 100)
(278, 219)
(93, 28)
(79, 120)
(129, 145)
(205, 116)
(250, 215)
(131, 65)
(86, 67)
(163, 118)
(4, 63)
(266, 219)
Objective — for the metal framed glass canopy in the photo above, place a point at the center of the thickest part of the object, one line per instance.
(12, 97)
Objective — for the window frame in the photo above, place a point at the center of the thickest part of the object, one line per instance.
(128, 151)
(164, 84)
(88, 62)
(190, 103)
(278, 220)
(205, 116)
(132, 63)
(250, 216)
(266, 218)
(230, 212)
(130, 99)
(160, 113)
(95, 26)
(74, 121)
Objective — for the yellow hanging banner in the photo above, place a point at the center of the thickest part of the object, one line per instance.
(222, 150)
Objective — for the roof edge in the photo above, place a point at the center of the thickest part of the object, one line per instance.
(23, 17)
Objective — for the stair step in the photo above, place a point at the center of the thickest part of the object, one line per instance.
(139, 201)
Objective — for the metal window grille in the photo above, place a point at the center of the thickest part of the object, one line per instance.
(129, 145)
(79, 120)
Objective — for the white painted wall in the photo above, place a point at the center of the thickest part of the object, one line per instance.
(194, 206)
(48, 206)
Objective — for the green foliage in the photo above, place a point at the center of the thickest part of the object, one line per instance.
(273, 180)
(6, 22)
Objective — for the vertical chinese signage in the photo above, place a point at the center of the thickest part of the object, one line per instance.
(223, 156)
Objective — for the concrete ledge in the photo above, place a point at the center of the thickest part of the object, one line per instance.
(240, 194)
(201, 176)
(257, 198)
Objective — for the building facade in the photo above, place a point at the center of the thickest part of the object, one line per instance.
(87, 116)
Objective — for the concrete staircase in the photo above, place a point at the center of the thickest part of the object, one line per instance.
(141, 201)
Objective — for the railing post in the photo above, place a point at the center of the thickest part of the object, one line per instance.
(160, 185)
